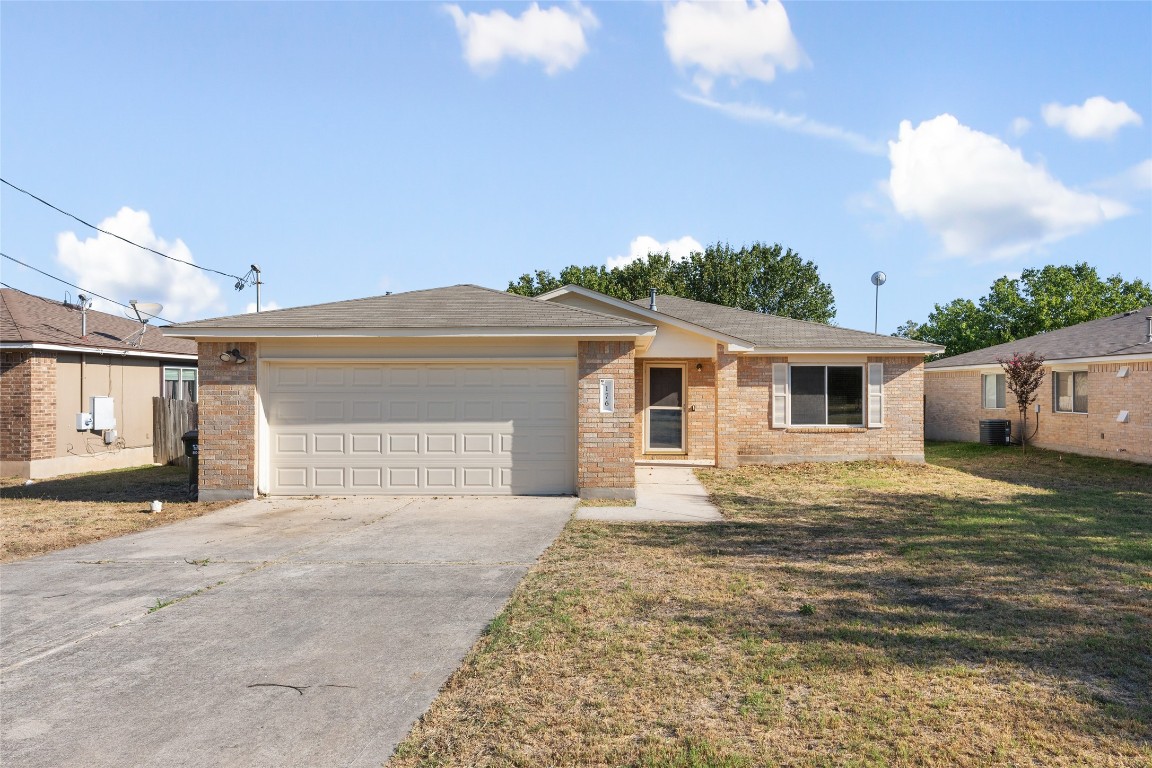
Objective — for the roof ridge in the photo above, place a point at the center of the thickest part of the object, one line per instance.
(767, 314)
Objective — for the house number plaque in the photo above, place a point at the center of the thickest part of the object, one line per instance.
(607, 396)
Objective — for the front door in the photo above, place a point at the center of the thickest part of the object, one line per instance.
(665, 409)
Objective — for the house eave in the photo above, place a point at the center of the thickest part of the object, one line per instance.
(97, 350)
(1144, 355)
(871, 351)
(605, 333)
(735, 343)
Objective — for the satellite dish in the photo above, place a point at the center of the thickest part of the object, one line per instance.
(879, 278)
(143, 311)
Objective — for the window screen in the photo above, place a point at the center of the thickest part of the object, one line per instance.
(827, 394)
(845, 395)
(808, 395)
(664, 387)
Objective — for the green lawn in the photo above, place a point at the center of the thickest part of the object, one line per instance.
(988, 608)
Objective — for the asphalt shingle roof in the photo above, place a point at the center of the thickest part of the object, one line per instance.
(29, 319)
(1122, 334)
(774, 331)
(458, 306)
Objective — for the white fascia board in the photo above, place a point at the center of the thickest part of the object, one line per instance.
(872, 351)
(1054, 362)
(400, 333)
(736, 344)
(99, 351)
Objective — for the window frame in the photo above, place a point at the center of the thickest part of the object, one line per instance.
(1056, 391)
(1000, 390)
(862, 367)
(683, 408)
(180, 379)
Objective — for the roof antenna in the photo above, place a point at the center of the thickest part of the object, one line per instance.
(85, 305)
(251, 278)
(144, 311)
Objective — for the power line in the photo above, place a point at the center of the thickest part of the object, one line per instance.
(118, 237)
(77, 287)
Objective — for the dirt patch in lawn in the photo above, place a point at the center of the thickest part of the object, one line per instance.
(76, 509)
(985, 609)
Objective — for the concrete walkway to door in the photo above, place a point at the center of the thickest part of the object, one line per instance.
(286, 632)
(663, 494)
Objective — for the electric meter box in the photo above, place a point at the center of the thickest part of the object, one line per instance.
(103, 413)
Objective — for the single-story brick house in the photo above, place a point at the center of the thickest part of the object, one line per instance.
(476, 391)
(1096, 398)
(50, 371)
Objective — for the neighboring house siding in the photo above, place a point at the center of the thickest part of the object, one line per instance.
(954, 412)
(130, 382)
(605, 444)
(27, 407)
(227, 423)
(901, 436)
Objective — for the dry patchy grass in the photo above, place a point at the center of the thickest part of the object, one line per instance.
(76, 509)
(985, 609)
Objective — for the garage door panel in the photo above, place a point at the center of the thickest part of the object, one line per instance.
(413, 428)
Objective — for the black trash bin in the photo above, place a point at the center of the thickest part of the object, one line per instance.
(191, 440)
(995, 431)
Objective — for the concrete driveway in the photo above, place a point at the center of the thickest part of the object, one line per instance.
(290, 632)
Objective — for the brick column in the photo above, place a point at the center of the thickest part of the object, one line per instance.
(727, 409)
(27, 405)
(605, 463)
(227, 423)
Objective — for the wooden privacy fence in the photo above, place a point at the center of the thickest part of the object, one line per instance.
(170, 420)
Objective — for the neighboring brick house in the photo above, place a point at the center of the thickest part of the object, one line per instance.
(50, 371)
(1096, 398)
(473, 391)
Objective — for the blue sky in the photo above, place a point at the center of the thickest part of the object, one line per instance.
(354, 148)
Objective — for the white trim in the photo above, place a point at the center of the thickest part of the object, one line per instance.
(97, 350)
(1053, 363)
(868, 351)
(310, 359)
(736, 344)
(874, 391)
(647, 448)
(780, 391)
(238, 333)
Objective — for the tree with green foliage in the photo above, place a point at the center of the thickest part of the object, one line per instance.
(759, 278)
(1039, 300)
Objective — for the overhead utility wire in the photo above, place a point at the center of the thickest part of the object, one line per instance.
(77, 287)
(118, 237)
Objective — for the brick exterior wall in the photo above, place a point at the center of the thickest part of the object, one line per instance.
(954, 411)
(700, 410)
(27, 405)
(605, 452)
(900, 438)
(729, 420)
(227, 423)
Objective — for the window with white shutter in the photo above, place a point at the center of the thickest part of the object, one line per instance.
(875, 395)
(779, 395)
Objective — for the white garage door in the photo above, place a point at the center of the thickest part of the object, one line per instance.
(414, 428)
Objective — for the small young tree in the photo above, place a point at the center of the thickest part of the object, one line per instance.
(1022, 377)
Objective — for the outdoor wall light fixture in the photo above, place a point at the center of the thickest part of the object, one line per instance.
(699, 366)
(233, 356)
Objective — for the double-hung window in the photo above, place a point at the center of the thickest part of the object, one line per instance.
(1070, 391)
(993, 390)
(827, 394)
(180, 383)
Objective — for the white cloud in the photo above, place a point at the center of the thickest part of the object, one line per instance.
(265, 306)
(1130, 182)
(980, 196)
(553, 37)
(1020, 126)
(736, 39)
(120, 271)
(641, 246)
(789, 122)
(1096, 118)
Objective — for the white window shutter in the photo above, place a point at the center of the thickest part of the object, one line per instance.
(779, 395)
(875, 395)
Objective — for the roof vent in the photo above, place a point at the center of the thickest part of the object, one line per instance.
(652, 301)
(1149, 339)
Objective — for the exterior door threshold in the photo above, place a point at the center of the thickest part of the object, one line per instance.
(678, 461)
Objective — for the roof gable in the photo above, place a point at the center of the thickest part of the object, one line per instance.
(1125, 333)
(436, 309)
(28, 319)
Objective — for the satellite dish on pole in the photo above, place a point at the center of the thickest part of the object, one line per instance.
(142, 311)
(878, 279)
